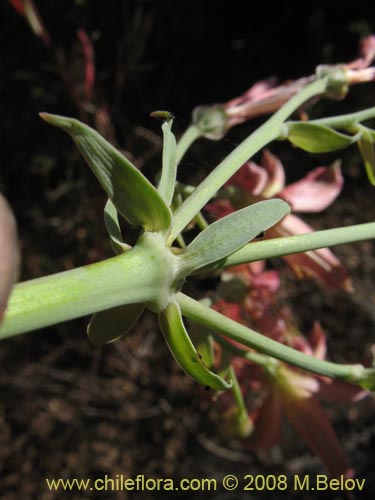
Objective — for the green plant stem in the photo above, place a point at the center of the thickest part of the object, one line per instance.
(268, 132)
(277, 247)
(138, 275)
(346, 121)
(262, 360)
(237, 393)
(216, 321)
(191, 134)
(133, 277)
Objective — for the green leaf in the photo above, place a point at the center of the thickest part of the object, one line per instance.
(133, 195)
(112, 324)
(317, 138)
(366, 147)
(183, 350)
(203, 340)
(113, 228)
(232, 232)
(168, 176)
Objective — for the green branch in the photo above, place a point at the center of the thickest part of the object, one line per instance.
(278, 247)
(190, 135)
(346, 121)
(268, 132)
(235, 331)
(144, 274)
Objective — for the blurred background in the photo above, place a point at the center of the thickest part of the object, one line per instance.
(68, 409)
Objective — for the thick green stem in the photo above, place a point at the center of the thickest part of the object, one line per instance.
(268, 132)
(143, 274)
(71, 294)
(190, 135)
(216, 321)
(277, 247)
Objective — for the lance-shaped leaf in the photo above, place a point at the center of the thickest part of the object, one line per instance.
(366, 147)
(168, 175)
(318, 138)
(133, 195)
(232, 232)
(9, 253)
(107, 326)
(183, 350)
(113, 228)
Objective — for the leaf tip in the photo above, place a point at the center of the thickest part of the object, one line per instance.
(58, 120)
(162, 114)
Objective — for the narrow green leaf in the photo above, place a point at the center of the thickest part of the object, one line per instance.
(366, 147)
(169, 171)
(132, 194)
(232, 232)
(113, 228)
(183, 350)
(107, 326)
(317, 138)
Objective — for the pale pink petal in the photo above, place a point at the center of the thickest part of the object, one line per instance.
(302, 386)
(312, 424)
(360, 75)
(320, 264)
(367, 54)
(9, 254)
(276, 174)
(316, 191)
(256, 91)
(256, 267)
(268, 279)
(250, 178)
(318, 341)
(266, 102)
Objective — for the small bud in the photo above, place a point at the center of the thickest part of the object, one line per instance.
(211, 121)
(338, 84)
